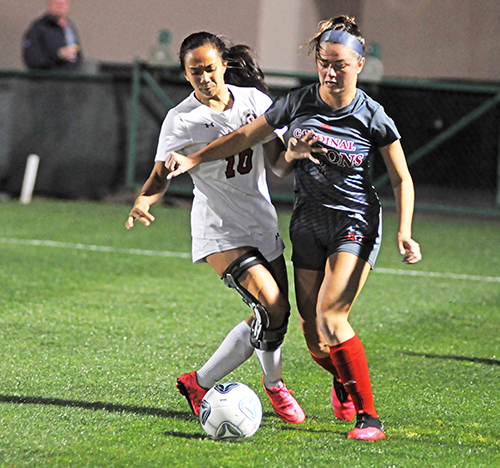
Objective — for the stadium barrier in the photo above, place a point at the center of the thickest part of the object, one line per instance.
(97, 134)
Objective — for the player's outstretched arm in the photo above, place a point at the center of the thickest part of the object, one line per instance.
(228, 145)
(151, 192)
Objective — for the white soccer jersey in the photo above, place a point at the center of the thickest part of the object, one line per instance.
(231, 197)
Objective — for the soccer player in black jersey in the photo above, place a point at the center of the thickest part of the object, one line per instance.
(333, 130)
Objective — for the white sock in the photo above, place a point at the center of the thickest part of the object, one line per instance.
(270, 362)
(232, 352)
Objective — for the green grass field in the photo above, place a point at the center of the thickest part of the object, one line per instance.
(97, 322)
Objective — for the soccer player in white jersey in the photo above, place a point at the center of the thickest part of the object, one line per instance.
(234, 226)
(333, 131)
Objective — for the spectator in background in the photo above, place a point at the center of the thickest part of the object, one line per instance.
(51, 42)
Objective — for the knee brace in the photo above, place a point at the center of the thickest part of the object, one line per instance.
(260, 337)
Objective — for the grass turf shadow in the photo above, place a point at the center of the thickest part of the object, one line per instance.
(490, 362)
(96, 405)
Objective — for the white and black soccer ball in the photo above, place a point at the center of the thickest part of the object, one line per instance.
(230, 411)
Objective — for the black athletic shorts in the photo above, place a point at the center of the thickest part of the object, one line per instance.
(317, 232)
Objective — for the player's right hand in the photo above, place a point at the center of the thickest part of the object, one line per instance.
(141, 212)
(177, 164)
(305, 148)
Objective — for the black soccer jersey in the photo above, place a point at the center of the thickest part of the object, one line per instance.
(351, 134)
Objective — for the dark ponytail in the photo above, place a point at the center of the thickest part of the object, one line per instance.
(242, 67)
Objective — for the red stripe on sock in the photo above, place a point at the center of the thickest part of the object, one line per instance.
(349, 358)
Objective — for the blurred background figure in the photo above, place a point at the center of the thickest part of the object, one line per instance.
(161, 54)
(51, 42)
(373, 69)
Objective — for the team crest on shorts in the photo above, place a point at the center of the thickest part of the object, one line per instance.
(354, 236)
(248, 116)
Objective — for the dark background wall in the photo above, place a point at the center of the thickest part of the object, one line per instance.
(80, 126)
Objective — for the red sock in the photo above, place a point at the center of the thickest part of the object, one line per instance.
(350, 361)
(327, 364)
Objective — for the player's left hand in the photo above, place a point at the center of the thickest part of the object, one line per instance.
(141, 212)
(409, 249)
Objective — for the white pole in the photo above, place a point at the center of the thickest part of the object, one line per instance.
(29, 178)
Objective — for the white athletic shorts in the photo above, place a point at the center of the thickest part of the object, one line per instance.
(270, 245)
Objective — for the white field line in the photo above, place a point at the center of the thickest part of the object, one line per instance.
(157, 253)
(98, 248)
(429, 274)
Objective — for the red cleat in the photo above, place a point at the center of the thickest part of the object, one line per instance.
(367, 428)
(188, 386)
(342, 403)
(285, 405)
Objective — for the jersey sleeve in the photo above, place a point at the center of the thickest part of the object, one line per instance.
(278, 115)
(262, 105)
(174, 135)
(383, 129)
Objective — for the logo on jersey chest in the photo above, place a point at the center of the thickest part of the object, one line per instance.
(248, 116)
(340, 152)
(343, 159)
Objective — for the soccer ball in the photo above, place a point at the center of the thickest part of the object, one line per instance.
(230, 411)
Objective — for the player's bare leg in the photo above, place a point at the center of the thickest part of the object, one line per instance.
(307, 286)
(345, 275)
(271, 291)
